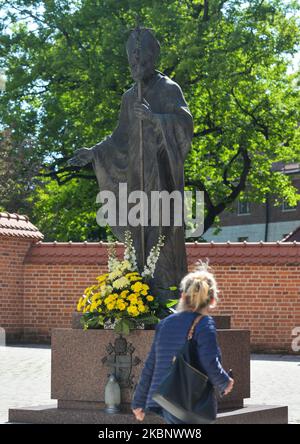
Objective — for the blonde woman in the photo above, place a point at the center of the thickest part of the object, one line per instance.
(199, 294)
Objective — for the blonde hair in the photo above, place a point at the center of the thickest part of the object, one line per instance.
(200, 288)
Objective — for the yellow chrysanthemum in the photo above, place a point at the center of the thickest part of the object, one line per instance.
(102, 278)
(96, 296)
(111, 306)
(121, 305)
(88, 291)
(132, 298)
(132, 273)
(124, 293)
(109, 299)
(150, 298)
(79, 305)
(137, 287)
(86, 308)
(132, 310)
(94, 305)
(135, 278)
(84, 301)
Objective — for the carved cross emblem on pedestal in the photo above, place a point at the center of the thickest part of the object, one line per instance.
(120, 361)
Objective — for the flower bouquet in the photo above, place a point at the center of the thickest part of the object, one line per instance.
(121, 298)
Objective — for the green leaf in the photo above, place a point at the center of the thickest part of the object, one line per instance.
(149, 319)
(171, 302)
(101, 320)
(123, 327)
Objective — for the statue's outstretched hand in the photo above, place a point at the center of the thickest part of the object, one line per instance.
(81, 157)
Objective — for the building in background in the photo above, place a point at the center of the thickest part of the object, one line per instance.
(253, 222)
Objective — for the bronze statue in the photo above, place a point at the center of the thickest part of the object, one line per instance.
(147, 151)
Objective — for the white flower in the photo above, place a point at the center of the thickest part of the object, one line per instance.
(153, 258)
(116, 268)
(117, 273)
(113, 262)
(129, 252)
(121, 282)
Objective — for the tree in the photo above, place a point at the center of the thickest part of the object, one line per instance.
(18, 167)
(66, 67)
(57, 215)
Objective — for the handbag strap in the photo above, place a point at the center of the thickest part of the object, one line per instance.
(193, 326)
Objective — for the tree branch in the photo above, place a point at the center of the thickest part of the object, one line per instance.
(217, 129)
(264, 129)
(199, 184)
(206, 11)
(65, 174)
(226, 169)
(242, 182)
(214, 210)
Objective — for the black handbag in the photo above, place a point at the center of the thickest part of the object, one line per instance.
(186, 392)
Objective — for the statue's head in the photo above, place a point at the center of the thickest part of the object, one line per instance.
(142, 51)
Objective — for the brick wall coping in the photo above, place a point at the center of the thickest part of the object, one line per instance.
(14, 225)
(87, 253)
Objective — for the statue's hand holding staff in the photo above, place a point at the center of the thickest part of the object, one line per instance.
(143, 111)
(81, 157)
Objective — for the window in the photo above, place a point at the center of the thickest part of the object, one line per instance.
(242, 239)
(243, 207)
(287, 207)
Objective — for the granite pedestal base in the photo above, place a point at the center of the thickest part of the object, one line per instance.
(254, 414)
(79, 376)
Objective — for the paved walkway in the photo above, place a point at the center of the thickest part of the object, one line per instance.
(25, 380)
(275, 380)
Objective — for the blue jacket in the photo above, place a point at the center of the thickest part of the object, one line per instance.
(170, 336)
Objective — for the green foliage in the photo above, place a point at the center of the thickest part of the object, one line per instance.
(18, 167)
(66, 67)
(171, 303)
(89, 320)
(67, 212)
(123, 326)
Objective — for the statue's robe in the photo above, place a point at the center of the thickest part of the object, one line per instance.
(166, 144)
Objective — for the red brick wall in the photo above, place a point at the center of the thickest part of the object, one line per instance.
(51, 294)
(259, 283)
(12, 253)
(264, 299)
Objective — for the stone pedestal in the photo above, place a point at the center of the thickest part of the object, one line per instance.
(79, 376)
(254, 414)
(80, 368)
